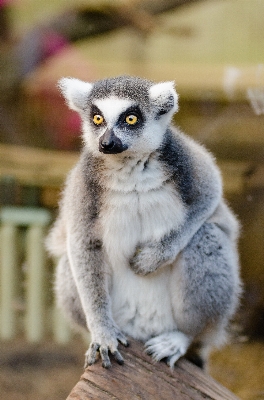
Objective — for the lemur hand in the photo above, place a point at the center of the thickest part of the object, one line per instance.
(104, 340)
(148, 258)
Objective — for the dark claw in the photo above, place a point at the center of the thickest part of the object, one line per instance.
(106, 364)
(91, 354)
(149, 352)
(105, 358)
(118, 357)
(123, 340)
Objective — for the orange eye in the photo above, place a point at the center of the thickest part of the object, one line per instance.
(131, 119)
(98, 119)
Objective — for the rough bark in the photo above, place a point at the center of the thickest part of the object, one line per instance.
(141, 378)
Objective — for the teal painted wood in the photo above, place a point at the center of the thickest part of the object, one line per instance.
(25, 216)
(35, 220)
(35, 282)
(8, 279)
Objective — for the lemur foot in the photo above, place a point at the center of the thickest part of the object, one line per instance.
(171, 345)
(105, 344)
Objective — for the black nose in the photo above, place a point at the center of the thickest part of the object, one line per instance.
(109, 143)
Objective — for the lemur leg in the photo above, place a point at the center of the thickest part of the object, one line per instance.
(204, 288)
(66, 292)
(69, 300)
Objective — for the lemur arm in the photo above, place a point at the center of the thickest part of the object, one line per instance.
(198, 181)
(153, 255)
(84, 249)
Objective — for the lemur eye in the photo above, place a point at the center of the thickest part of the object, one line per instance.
(98, 119)
(131, 119)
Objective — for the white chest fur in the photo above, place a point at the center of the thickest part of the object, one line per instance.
(139, 206)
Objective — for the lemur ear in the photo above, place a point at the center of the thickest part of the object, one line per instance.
(75, 92)
(164, 96)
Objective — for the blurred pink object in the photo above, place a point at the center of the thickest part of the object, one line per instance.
(63, 126)
(5, 2)
(52, 43)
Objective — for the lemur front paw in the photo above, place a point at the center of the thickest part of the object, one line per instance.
(104, 342)
(147, 258)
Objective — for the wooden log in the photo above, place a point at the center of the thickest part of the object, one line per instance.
(141, 378)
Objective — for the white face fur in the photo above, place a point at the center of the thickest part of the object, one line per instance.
(112, 116)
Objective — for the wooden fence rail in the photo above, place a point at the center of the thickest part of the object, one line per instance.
(22, 293)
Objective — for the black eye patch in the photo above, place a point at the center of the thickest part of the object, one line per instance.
(133, 110)
(95, 111)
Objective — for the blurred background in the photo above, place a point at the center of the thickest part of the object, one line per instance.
(214, 50)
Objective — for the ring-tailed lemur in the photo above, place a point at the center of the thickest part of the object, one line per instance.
(146, 244)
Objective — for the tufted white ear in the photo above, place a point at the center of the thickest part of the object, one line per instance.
(164, 96)
(75, 92)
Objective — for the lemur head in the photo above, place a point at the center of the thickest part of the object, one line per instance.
(123, 114)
